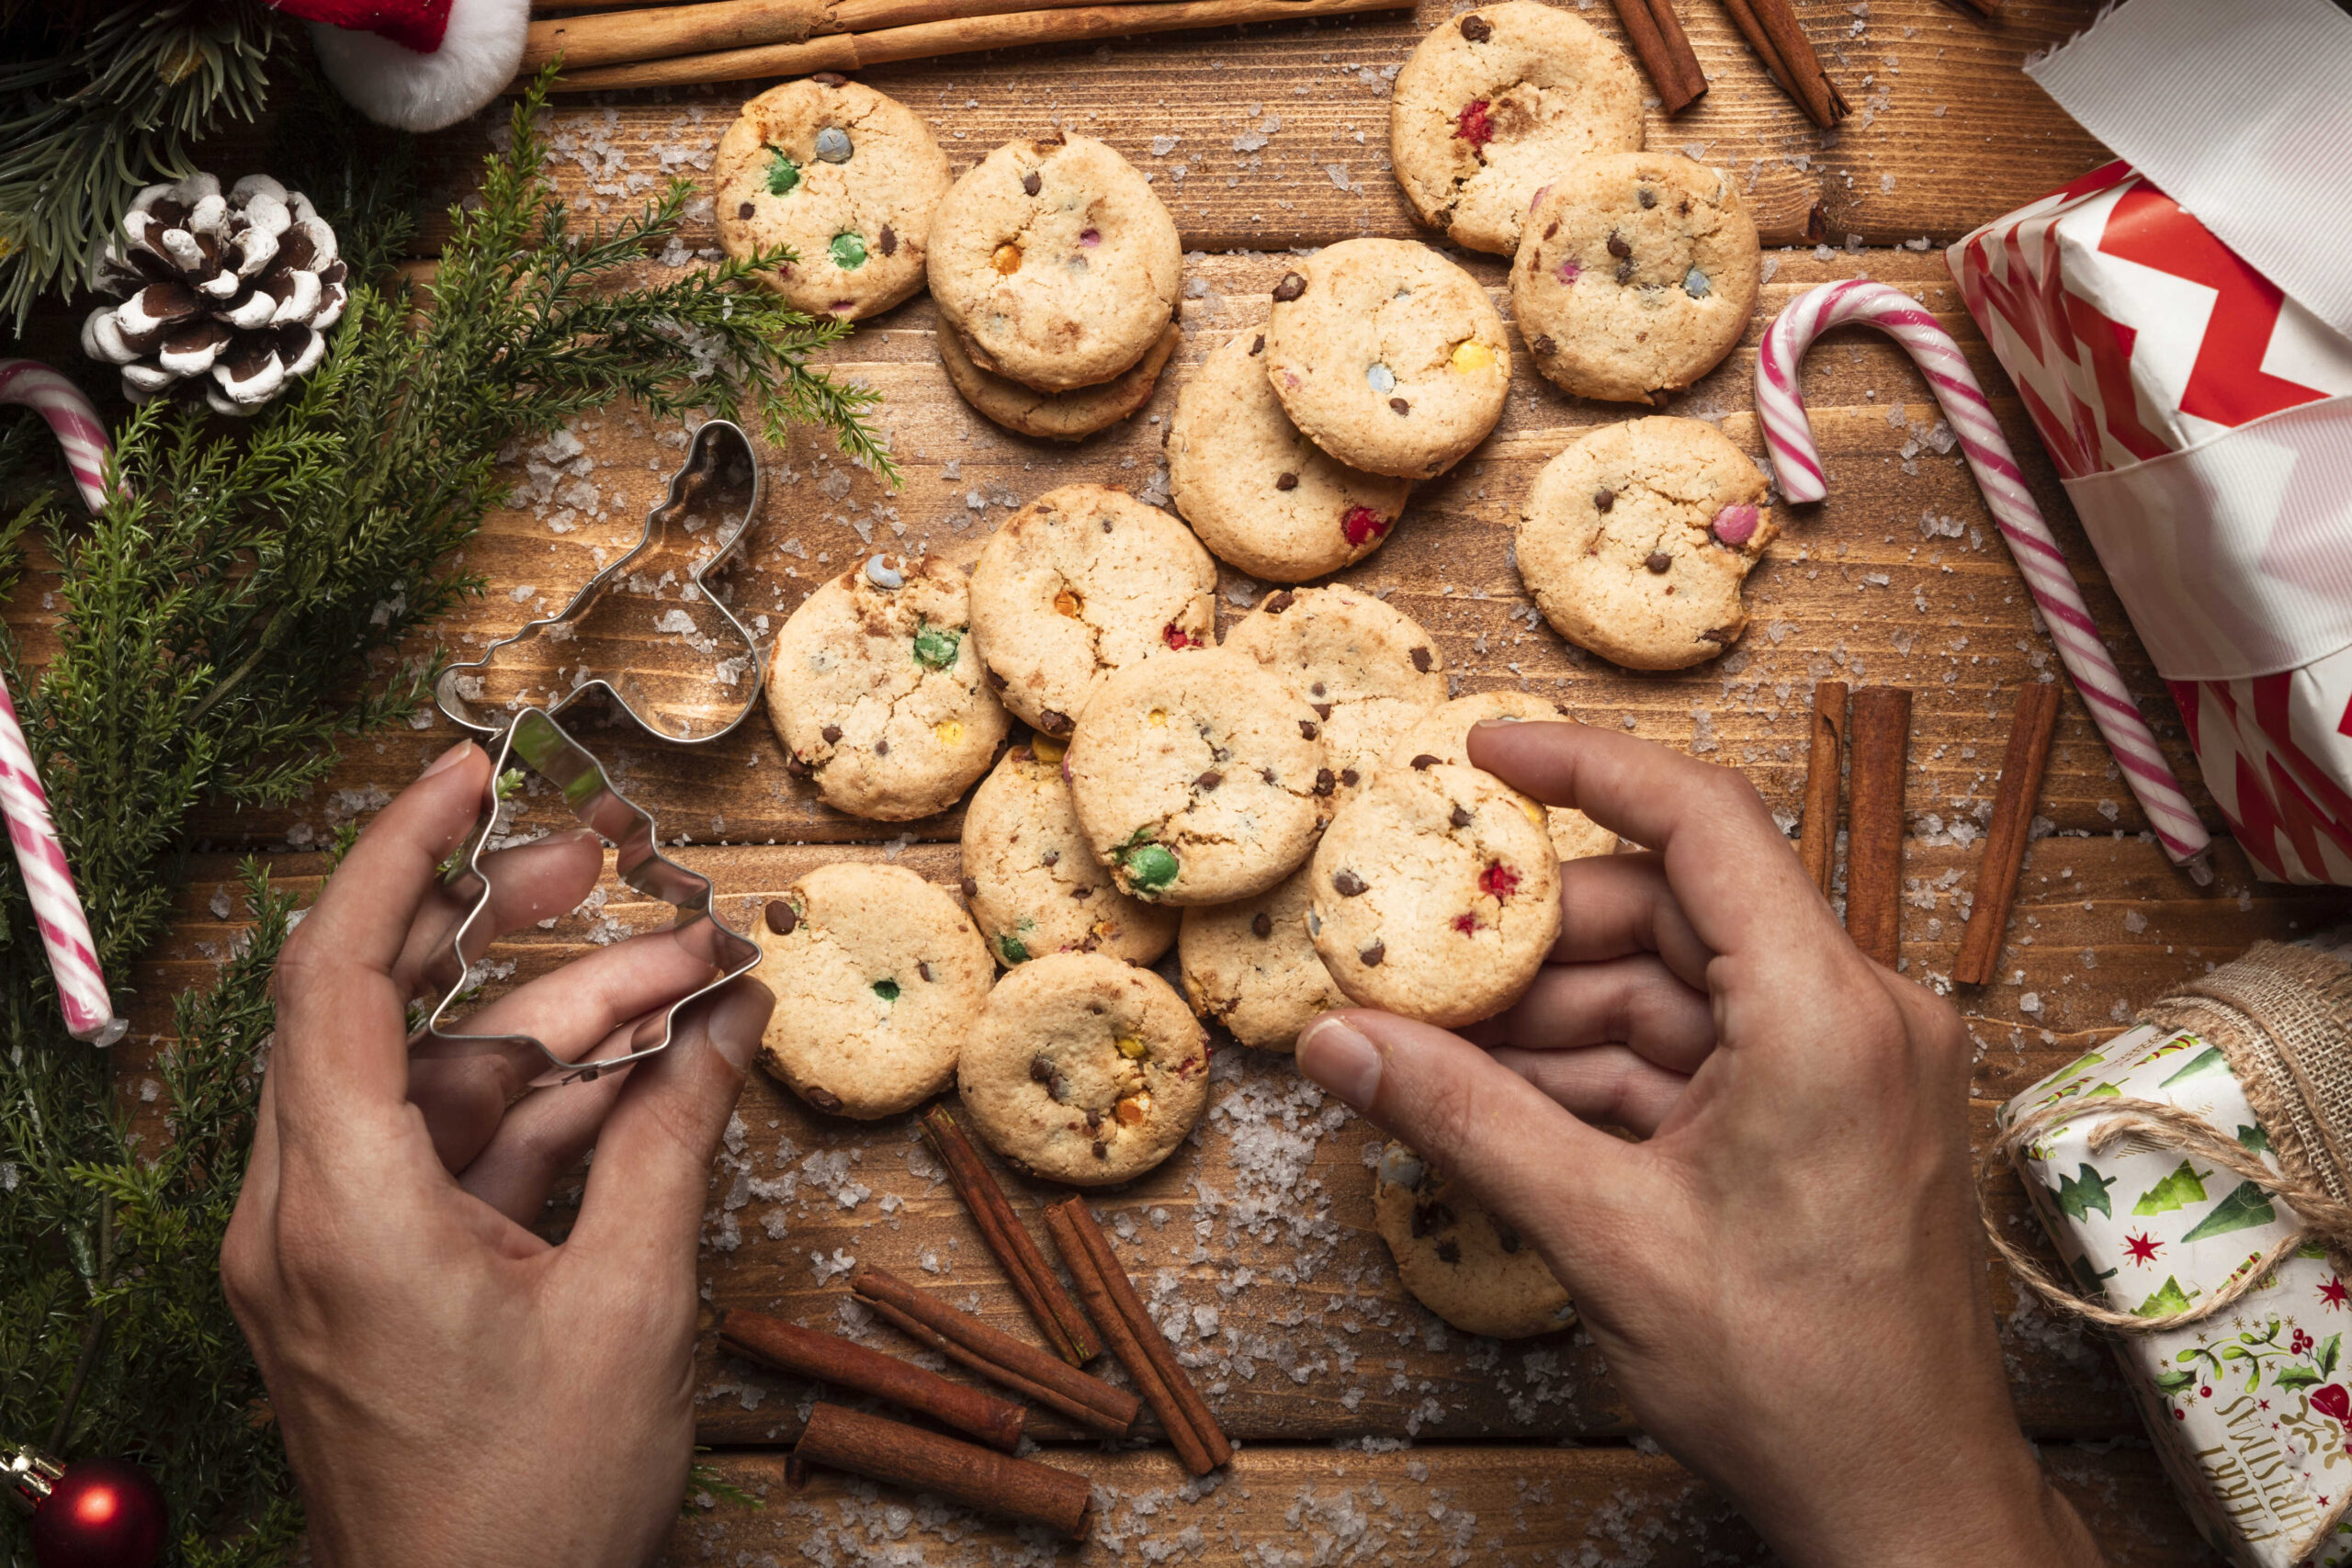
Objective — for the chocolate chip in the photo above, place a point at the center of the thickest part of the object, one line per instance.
(1029, 183)
(1261, 924)
(1461, 817)
(1426, 760)
(1603, 498)
(1324, 782)
(1054, 723)
(996, 680)
(1552, 230)
(1421, 660)
(1506, 1237)
(1723, 636)
(781, 919)
(1050, 857)
(1258, 346)
(1545, 347)
(887, 241)
(1322, 710)
(1347, 884)
(1398, 405)
(745, 211)
(1102, 1151)
(1617, 246)
(1290, 287)
(832, 733)
(1347, 777)
(1209, 780)
(881, 748)
(1307, 730)
(1646, 197)
(1041, 1068)
(1449, 1251)
(1277, 602)
(830, 79)
(1267, 774)
(795, 766)
(1477, 29)
(1286, 481)
(1658, 561)
(1371, 956)
(1081, 894)
(823, 1099)
(971, 888)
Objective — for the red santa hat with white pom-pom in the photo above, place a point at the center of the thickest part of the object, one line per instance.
(417, 64)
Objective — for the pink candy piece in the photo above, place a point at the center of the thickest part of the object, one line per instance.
(1091, 237)
(1735, 526)
(1536, 200)
(1567, 271)
(1796, 464)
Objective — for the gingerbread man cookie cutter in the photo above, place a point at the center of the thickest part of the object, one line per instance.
(719, 452)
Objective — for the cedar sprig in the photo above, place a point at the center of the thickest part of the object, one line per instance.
(253, 602)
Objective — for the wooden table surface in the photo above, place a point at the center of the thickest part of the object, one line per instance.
(1366, 1431)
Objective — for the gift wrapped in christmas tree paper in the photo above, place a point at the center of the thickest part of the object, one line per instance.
(2194, 1173)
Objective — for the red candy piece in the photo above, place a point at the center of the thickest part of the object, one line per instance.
(1567, 271)
(1175, 636)
(1499, 881)
(1465, 922)
(1472, 124)
(1090, 237)
(1363, 524)
(1735, 526)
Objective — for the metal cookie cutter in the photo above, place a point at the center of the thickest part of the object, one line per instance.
(720, 454)
(533, 737)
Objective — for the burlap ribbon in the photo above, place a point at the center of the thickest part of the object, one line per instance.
(2282, 1018)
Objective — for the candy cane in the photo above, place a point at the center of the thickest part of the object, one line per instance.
(70, 416)
(48, 880)
(1796, 462)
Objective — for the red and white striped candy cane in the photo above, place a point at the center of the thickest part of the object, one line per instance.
(1796, 465)
(48, 880)
(71, 418)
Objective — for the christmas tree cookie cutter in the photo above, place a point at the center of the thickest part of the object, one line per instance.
(718, 453)
(536, 741)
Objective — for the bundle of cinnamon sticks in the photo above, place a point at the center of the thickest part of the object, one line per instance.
(1771, 30)
(736, 40)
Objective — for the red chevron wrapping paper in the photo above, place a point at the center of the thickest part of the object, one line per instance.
(2201, 421)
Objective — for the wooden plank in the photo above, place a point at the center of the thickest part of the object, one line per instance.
(1855, 587)
(1242, 128)
(1497, 1507)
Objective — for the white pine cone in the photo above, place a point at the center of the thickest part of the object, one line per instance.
(229, 297)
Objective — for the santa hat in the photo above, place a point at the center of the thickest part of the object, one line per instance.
(417, 64)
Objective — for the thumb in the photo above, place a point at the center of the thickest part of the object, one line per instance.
(645, 1190)
(1552, 1177)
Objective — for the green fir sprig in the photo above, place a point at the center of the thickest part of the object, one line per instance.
(219, 630)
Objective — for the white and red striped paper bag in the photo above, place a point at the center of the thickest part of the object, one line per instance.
(2179, 327)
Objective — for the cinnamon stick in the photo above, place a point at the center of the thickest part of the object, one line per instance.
(1008, 1362)
(1111, 1296)
(953, 35)
(1880, 737)
(2005, 841)
(1658, 42)
(829, 1357)
(1064, 1327)
(1773, 30)
(1817, 843)
(922, 1460)
(603, 37)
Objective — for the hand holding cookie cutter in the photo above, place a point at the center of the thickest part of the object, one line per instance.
(534, 738)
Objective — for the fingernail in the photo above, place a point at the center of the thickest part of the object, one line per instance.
(448, 758)
(738, 1019)
(581, 835)
(1341, 1060)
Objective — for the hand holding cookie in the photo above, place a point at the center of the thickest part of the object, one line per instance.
(1803, 1161)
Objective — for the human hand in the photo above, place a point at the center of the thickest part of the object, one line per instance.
(453, 1388)
(1784, 1275)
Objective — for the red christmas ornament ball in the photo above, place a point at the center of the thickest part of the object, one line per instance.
(102, 1513)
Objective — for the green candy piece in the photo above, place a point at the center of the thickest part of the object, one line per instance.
(1151, 867)
(784, 174)
(887, 989)
(849, 251)
(935, 646)
(1015, 951)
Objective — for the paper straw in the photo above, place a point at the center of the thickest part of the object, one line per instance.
(48, 880)
(1796, 464)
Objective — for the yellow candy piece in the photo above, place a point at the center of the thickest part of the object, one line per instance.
(1157, 719)
(1007, 259)
(1130, 1047)
(1105, 931)
(949, 730)
(1534, 812)
(1471, 355)
(1046, 749)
